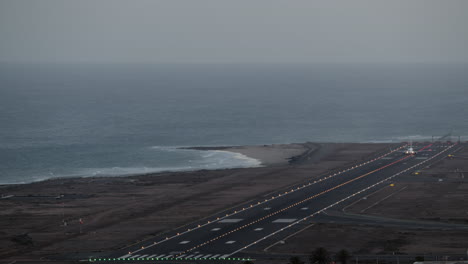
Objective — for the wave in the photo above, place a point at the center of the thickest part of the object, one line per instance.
(208, 159)
(158, 159)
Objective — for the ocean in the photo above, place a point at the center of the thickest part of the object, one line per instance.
(86, 120)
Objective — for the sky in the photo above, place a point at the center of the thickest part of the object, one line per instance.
(234, 31)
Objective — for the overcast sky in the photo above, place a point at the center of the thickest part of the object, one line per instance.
(234, 31)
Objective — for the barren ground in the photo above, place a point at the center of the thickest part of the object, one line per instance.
(119, 211)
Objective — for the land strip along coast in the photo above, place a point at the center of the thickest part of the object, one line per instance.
(43, 218)
(83, 217)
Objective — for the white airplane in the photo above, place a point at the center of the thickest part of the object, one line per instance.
(410, 151)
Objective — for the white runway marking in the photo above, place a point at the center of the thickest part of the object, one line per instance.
(304, 208)
(125, 256)
(198, 256)
(189, 256)
(216, 229)
(258, 229)
(152, 256)
(207, 256)
(135, 256)
(230, 220)
(184, 242)
(214, 256)
(266, 208)
(142, 256)
(225, 256)
(231, 242)
(285, 220)
(168, 256)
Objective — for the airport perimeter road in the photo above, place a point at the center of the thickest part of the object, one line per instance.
(227, 234)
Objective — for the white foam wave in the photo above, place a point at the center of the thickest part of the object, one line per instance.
(125, 171)
(189, 160)
(207, 159)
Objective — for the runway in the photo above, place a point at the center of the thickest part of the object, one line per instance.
(261, 222)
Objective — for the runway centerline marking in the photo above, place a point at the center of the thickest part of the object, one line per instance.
(285, 220)
(230, 220)
(184, 242)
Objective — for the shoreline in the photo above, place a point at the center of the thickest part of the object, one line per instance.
(111, 207)
(254, 156)
(247, 162)
(267, 155)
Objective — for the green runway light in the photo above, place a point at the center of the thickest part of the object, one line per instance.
(164, 259)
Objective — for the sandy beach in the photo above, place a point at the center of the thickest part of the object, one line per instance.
(268, 155)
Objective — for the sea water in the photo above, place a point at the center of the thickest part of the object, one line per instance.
(83, 120)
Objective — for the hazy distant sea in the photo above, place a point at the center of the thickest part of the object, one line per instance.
(85, 120)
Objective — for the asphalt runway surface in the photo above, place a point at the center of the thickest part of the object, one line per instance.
(261, 222)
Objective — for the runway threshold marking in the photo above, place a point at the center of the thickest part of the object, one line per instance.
(295, 204)
(272, 198)
(342, 200)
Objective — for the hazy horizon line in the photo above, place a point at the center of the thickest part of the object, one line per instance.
(224, 63)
